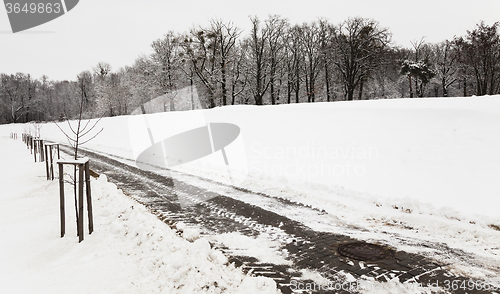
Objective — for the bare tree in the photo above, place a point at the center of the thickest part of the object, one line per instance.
(20, 95)
(294, 62)
(447, 64)
(212, 50)
(259, 65)
(239, 73)
(102, 93)
(200, 51)
(86, 90)
(225, 35)
(326, 54)
(77, 136)
(276, 28)
(358, 43)
(166, 52)
(187, 68)
(102, 69)
(480, 52)
(67, 96)
(313, 54)
(12, 97)
(140, 79)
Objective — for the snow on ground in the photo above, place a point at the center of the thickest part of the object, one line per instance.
(130, 251)
(260, 247)
(414, 152)
(404, 172)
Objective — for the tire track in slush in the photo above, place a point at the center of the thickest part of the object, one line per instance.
(305, 248)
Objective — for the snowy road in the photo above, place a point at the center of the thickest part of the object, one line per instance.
(273, 237)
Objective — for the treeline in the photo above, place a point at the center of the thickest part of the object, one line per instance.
(274, 63)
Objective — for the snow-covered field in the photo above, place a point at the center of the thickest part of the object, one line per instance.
(404, 172)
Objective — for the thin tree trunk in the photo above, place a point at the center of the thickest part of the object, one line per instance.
(192, 89)
(308, 89)
(361, 84)
(272, 75)
(289, 91)
(445, 90)
(223, 83)
(411, 89)
(74, 193)
(273, 98)
(297, 94)
(312, 85)
(327, 82)
(233, 97)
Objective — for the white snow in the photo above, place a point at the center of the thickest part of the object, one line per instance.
(260, 247)
(130, 251)
(190, 234)
(439, 151)
(403, 172)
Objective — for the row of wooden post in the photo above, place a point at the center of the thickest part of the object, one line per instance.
(28, 140)
(45, 153)
(49, 163)
(83, 172)
(35, 145)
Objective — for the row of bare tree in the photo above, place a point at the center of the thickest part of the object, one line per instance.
(274, 63)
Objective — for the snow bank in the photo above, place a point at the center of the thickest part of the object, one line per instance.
(130, 251)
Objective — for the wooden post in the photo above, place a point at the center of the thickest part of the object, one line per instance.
(47, 161)
(89, 198)
(41, 151)
(83, 176)
(61, 199)
(51, 163)
(80, 202)
(38, 149)
(33, 149)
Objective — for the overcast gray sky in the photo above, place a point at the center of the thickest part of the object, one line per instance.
(118, 31)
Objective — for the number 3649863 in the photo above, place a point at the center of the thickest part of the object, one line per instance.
(33, 8)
